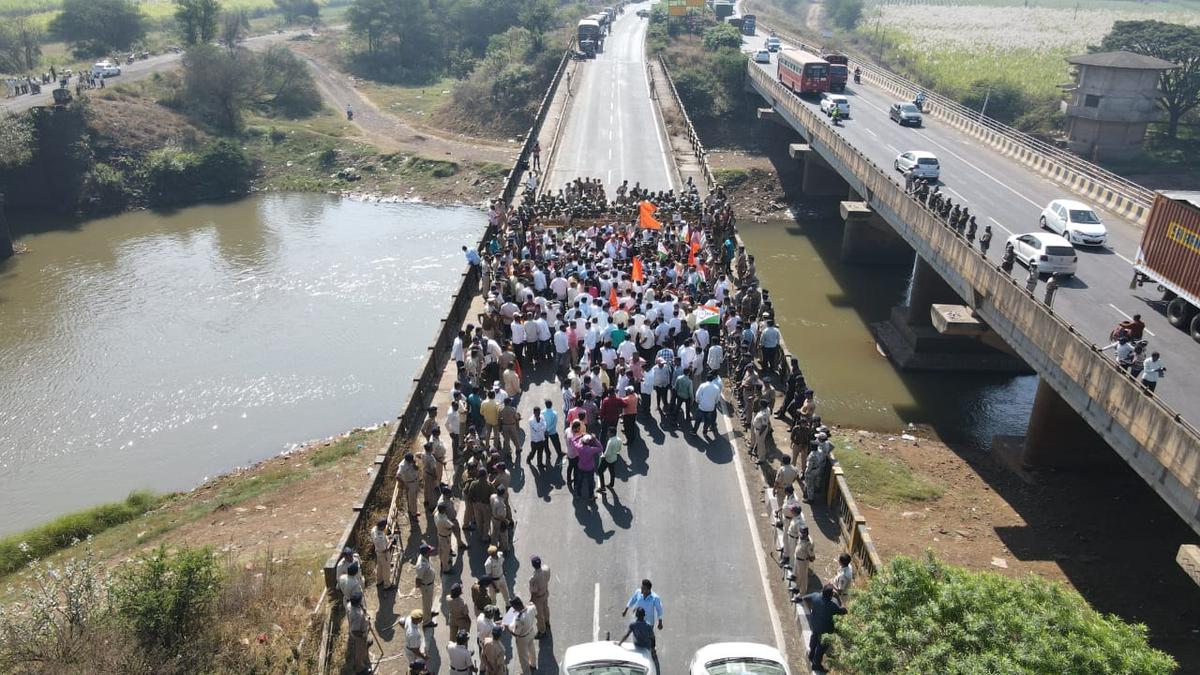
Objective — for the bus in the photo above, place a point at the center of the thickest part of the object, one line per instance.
(803, 72)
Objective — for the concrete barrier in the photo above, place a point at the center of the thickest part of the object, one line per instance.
(1156, 441)
(693, 138)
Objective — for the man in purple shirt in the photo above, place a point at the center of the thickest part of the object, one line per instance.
(589, 450)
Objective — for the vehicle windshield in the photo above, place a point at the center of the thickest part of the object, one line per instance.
(908, 108)
(928, 161)
(743, 665)
(1060, 250)
(1084, 216)
(606, 668)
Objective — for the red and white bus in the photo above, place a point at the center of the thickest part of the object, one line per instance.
(803, 72)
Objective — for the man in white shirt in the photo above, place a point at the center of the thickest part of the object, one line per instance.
(1153, 370)
(708, 396)
(537, 439)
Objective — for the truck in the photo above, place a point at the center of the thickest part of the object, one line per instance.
(839, 70)
(749, 23)
(588, 35)
(1169, 255)
(736, 22)
(722, 8)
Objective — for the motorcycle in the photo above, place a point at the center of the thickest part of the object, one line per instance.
(858, 76)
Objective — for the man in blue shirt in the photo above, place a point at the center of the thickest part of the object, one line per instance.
(822, 607)
(646, 599)
(550, 415)
(643, 635)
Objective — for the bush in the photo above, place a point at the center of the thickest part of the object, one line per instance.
(1004, 100)
(722, 35)
(923, 616)
(167, 599)
(18, 549)
(105, 189)
(845, 13)
(173, 177)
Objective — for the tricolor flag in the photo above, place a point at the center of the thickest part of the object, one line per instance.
(708, 315)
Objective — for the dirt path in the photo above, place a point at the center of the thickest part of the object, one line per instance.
(390, 133)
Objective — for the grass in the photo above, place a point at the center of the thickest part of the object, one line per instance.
(728, 178)
(62, 532)
(414, 104)
(492, 169)
(878, 479)
(433, 168)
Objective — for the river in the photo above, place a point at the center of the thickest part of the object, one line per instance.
(153, 350)
(825, 310)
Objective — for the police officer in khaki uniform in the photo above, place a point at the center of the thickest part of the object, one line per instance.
(430, 475)
(524, 632)
(479, 498)
(458, 615)
(501, 519)
(426, 580)
(383, 555)
(409, 477)
(539, 594)
(445, 530)
(447, 498)
(510, 429)
(494, 568)
(492, 656)
(785, 476)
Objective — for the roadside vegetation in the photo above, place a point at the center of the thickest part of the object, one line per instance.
(924, 616)
(875, 478)
(705, 60)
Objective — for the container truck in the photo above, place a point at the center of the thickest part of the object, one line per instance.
(749, 22)
(839, 70)
(1169, 255)
(722, 8)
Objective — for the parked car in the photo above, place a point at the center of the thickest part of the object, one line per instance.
(905, 114)
(774, 44)
(737, 657)
(105, 69)
(828, 101)
(920, 163)
(762, 56)
(1075, 221)
(1052, 253)
(607, 658)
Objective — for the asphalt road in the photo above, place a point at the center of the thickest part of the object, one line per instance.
(129, 73)
(613, 131)
(1010, 197)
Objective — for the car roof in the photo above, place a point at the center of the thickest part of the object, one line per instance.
(725, 650)
(1048, 238)
(1072, 204)
(919, 154)
(607, 650)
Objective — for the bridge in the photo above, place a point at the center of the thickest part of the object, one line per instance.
(1081, 395)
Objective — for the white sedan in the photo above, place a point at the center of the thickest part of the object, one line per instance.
(830, 101)
(607, 658)
(1049, 252)
(762, 56)
(737, 658)
(1074, 220)
(919, 163)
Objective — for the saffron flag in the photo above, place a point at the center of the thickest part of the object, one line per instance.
(612, 297)
(646, 218)
(694, 249)
(637, 275)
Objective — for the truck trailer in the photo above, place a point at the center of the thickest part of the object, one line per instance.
(839, 70)
(749, 23)
(1169, 255)
(723, 9)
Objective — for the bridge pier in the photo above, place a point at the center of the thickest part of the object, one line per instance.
(868, 239)
(912, 341)
(1057, 437)
(6, 242)
(820, 179)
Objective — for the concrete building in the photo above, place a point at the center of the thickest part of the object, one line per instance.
(1112, 101)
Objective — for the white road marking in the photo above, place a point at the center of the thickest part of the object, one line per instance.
(659, 131)
(871, 132)
(956, 194)
(758, 547)
(1148, 331)
(893, 148)
(596, 613)
(1000, 226)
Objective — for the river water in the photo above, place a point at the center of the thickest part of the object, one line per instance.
(825, 309)
(153, 350)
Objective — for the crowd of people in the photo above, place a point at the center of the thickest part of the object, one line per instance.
(640, 306)
(32, 84)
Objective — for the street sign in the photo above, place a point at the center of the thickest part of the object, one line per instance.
(677, 7)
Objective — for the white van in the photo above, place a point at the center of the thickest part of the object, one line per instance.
(105, 69)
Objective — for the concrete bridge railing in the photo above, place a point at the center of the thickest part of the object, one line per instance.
(1160, 445)
(693, 137)
(1101, 186)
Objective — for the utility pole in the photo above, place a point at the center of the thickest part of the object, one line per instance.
(986, 98)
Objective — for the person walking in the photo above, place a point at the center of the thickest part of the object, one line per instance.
(538, 445)
(708, 396)
(358, 647)
(445, 531)
(822, 608)
(647, 600)
(585, 473)
(408, 474)
(459, 654)
(524, 631)
(629, 418)
(425, 580)
(1153, 370)
(608, 462)
(537, 155)
(539, 594)
(550, 416)
(458, 615)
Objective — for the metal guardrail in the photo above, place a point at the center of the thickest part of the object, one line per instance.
(1112, 190)
(1156, 427)
(424, 385)
(693, 138)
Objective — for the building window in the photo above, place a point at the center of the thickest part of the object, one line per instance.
(1091, 101)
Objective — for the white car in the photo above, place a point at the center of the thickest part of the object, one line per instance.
(828, 101)
(737, 658)
(105, 69)
(920, 163)
(774, 44)
(1051, 253)
(607, 658)
(1075, 221)
(762, 56)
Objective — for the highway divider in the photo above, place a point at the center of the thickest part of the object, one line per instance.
(422, 389)
(1155, 439)
(1101, 186)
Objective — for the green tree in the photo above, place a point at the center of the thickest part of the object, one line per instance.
(97, 27)
(294, 9)
(197, 20)
(218, 84)
(923, 616)
(20, 44)
(845, 13)
(167, 599)
(1172, 42)
(16, 140)
(404, 42)
(234, 25)
(1004, 100)
(285, 84)
(722, 35)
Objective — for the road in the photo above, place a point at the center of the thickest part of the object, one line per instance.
(613, 131)
(1010, 197)
(131, 73)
